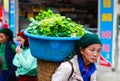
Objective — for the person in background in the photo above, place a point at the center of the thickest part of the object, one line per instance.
(1, 16)
(82, 66)
(5, 24)
(1, 24)
(26, 64)
(7, 52)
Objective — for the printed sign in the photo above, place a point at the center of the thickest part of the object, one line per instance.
(106, 30)
(12, 15)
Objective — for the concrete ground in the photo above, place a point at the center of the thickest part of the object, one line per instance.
(106, 74)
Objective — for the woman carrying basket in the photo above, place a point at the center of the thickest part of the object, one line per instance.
(82, 66)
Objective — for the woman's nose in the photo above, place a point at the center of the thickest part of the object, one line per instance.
(95, 53)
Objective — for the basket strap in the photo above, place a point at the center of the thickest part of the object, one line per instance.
(72, 69)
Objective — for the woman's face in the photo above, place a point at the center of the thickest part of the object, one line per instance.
(3, 38)
(21, 40)
(91, 53)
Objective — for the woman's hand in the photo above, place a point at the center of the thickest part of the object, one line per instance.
(18, 50)
(21, 41)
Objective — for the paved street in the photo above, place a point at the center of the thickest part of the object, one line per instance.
(106, 74)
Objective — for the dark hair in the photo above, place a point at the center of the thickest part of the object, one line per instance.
(8, 33)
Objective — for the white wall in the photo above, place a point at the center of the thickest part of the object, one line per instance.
(116, 37)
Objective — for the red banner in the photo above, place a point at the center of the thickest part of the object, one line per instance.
(104, 62)
(1, 12)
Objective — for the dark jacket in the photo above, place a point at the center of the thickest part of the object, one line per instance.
(0, 65)
(9, 55)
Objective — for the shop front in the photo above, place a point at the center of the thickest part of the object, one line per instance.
(81, 11)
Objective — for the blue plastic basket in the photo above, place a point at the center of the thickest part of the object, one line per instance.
(51, 48)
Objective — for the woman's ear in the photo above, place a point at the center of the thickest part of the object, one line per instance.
(81, 50)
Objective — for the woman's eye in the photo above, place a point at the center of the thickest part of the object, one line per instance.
(91, 50)
(99, 50)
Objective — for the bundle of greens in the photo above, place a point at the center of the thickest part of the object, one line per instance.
(47, 23)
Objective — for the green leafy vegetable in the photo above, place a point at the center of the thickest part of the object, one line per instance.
(47, 23)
